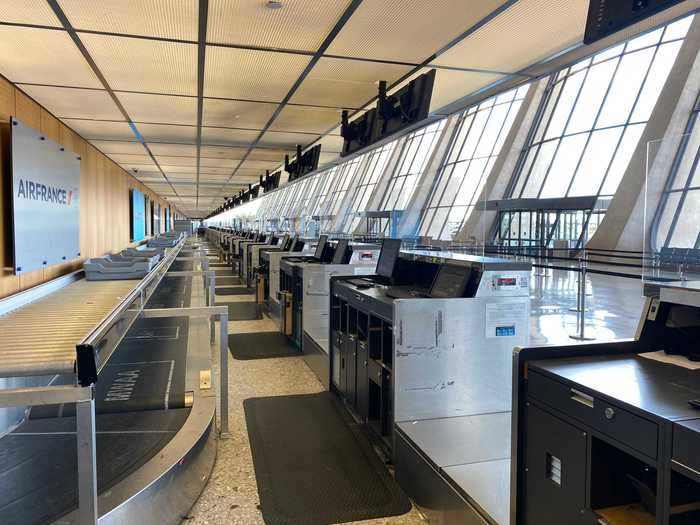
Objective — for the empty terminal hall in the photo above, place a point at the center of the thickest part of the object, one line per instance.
(371, 262)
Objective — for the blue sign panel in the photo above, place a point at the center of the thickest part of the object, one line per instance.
(45, 200)
(138, 216)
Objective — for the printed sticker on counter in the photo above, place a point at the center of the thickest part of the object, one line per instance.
(506, 318)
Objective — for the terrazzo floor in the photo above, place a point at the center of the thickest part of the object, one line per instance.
(231, 495)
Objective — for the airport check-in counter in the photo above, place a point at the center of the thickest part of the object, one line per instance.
(270, 271)
(245, 270)
(609, 432)
(308, 283)
(426, 365)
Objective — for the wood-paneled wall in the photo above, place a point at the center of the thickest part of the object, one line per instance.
(104, 194)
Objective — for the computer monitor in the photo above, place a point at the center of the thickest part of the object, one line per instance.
(339, 257)
(297, 245)
(290, 242)
(284, 241)
(450, 281)
(322, 240)
(388, 256)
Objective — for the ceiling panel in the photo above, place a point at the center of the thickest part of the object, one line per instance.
(529, 31)
(236, 114)
(138, 166)
(173, 168)
(177, 161)
(332, 143)
(180, 150)
(266, 27)
(228, 137)
(35, 12)
(218, 163)
(136, 64)
(169, 134)
(159, 108)
(251, 75)
(107, 146)
(208, 170)
(43, 56)
(345, 83)
(75, 102)
(130, 159)
(261, 165)
(286, 140)
(271, 154)
(407, 30)
(100, 129)
(162, 18)
(304, 118)
(223, 152)
(452, 85)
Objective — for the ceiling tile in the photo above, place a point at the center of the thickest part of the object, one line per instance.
(177, 161)
(75, 102)
(452, 85)
(407, 30)
(130, 159)
(136, 64)
(161, 18)
(180, 150)
(35, 12)
(236, 114)
(100, 130)
(169, 134)
(266, 27)
(43, 56)
(286, 140)
(332, 143)
(270, 154)
(345, 83)
(214, 171)
(261, 165)
(304, 118)
(159, 108)
(107, 146)
(251, 75)
(171, 168)
(526, 33)
(228, 137)
(223, 152)
(218, 163)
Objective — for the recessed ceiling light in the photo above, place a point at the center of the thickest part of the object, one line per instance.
(273, 4)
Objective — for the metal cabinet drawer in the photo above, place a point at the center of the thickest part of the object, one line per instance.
(686, 444)
(607, 418)
(374, 371)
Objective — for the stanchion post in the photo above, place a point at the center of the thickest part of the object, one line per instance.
(87, 461)
(223, 373)
(212, 300)
(581, 302)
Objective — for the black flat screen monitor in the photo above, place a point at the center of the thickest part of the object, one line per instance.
(322, 240)
(450, 281)
(297, 245)
(284, 241)
(339, 257)
(290, 242)
(388, 257)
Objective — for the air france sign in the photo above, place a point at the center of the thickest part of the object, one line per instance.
(45, 200)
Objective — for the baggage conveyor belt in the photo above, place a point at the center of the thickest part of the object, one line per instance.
(140, 406)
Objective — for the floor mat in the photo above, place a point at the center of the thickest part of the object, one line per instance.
(224, 272)
(241, 290)
(313, 467)
(243, 311)
(261, 345)
(227, 280)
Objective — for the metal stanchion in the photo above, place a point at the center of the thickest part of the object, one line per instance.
(581, 303)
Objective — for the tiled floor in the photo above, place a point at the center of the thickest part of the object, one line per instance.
(231, 496)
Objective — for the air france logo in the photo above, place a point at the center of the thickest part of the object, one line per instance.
(41, 192)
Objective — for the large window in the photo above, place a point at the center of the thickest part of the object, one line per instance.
(336, 193)
(478, 138)
(678, 224)
(415, 154)
(593, 115)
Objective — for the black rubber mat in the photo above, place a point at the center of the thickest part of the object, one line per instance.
(218, 265)
(224, 272)
(261, 345)
(313, 467)
(230, 280)
(240, 290)
(243, 311)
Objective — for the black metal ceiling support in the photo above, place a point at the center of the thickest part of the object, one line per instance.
(344, 18)
(201, 58)
(88, 58)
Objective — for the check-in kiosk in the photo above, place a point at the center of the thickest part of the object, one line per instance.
(245, 247)
(237, 249)
(306, 281)
(421, 354)
(269, 270)
(609, 433)
(254, 268)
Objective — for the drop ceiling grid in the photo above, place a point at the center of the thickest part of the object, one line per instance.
(74, 102)
(309, 21)
(236, 114)
(185, 150)
(43, 56)
(177, 161)
(134, 64)
(407, 30)
(252, 75)
(159, 108)
(100, 129)
(314, 120)
(126, 158)
(345, 83)
(228, 137)
(36, 12)
(116, 147)
(160, 18)
(166, 133)
(527, 32)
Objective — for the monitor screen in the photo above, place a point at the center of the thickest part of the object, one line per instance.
(298, 245)
(290, 242)
(388, 257)
(284, 240)
(340, 251)
(322, 240)
(450, 281)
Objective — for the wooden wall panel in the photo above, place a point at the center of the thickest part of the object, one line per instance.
(104, 193)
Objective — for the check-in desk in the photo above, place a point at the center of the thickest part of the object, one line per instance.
(308, 282)
(605, 431)
(244, 250)
(431, 377)
(254, 263)
(270, 271)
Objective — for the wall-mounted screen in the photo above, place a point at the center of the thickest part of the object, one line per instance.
(138, 215)
(156, 219)
(167, 219)
(45, 200)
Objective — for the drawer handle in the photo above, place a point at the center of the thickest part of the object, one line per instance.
(582, 398)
